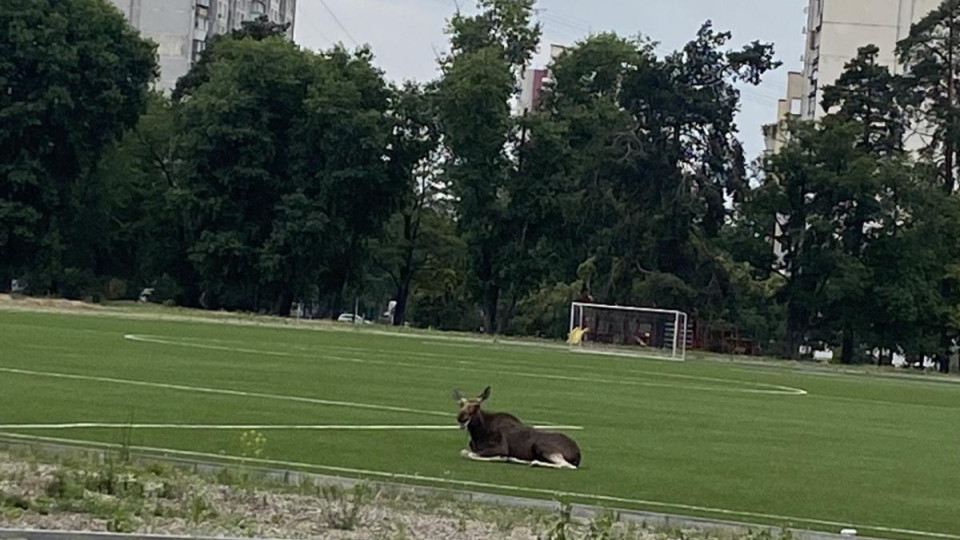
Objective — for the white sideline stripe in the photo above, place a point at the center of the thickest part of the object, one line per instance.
(759, 388)
(218, 391)
(488, 485)
(224, 391)
(263, 427)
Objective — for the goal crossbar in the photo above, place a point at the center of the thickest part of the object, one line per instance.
(672, 323)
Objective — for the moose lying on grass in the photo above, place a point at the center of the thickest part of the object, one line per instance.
(503, 437)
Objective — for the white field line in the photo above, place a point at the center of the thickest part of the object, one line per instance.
(556, 494)
(239, 393)
(261, 427)
(761, 388)
(471, 360)
(220, 391)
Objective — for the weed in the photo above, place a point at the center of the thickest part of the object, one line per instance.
(401, 532)
(63, 485)
(253, 444)
(199, 509)
(561, 529)
(42, 505)
(13, 501)
(504, 520)
(343, 512)
(120, 521)
(602, 526)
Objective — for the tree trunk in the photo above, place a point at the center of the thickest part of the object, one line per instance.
(849, 346)
(793, 334)
(5, 279)
(491, 296)
(284, 303)
(400, 310)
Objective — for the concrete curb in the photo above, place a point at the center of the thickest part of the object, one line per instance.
(292, 477)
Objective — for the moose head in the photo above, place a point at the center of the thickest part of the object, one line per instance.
(469, 407)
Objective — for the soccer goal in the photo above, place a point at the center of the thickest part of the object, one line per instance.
(626, 330)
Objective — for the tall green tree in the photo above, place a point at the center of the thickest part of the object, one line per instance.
(140, 179)
(284, 171)
(652, 156)
(488, 51)
(870, 95)
(415, 232)
(932, 52)
(75, 76)
(257, 29)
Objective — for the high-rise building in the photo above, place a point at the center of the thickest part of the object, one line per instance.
(532, 81)
(181, 28)
(835, 30)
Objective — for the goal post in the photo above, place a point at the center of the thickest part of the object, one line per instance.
(628, 330)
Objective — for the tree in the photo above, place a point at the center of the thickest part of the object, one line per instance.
(825, 184)
(479, 78)
(651, 155)
(414, 231)
(75, 76)
(868, 94)
(932, 50)
(257, 29)
(140, 181)
(284, 171)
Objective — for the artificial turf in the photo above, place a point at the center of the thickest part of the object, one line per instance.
(715, 439)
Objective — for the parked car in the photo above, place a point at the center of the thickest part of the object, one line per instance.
(349, 318)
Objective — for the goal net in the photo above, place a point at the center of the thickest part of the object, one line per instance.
(635, 331)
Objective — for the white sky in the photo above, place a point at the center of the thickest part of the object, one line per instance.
(405, 35)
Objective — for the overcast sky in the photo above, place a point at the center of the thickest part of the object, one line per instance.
(406, 35)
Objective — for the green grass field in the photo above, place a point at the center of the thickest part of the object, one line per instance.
(713, 439)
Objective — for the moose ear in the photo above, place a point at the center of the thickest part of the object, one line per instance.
(457, 396)
(485, 394)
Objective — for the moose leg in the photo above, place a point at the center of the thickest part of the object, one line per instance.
(486, 454)
(555, 461)
(558, 461)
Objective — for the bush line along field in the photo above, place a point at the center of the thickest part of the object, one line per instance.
(813, 449)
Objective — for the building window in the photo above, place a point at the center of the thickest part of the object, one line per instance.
(198, 46)
(795, 106)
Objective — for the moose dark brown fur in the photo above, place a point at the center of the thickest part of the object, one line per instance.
(503, 437)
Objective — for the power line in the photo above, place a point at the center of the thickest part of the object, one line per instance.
(340, 24)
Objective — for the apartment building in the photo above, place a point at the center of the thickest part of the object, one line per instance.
(834, 30)
(181, 28)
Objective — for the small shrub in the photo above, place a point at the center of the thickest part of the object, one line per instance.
(13, 501)
(120, 522)
(343, 512)
(601, 527)
(199, 509)
(253, 444)
(42, 505)
(63, 485)
(561, 528)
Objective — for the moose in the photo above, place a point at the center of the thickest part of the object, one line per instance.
(503, 437)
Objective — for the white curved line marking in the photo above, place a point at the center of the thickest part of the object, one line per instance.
(490, 486)
(764, 388)
(261, 427)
